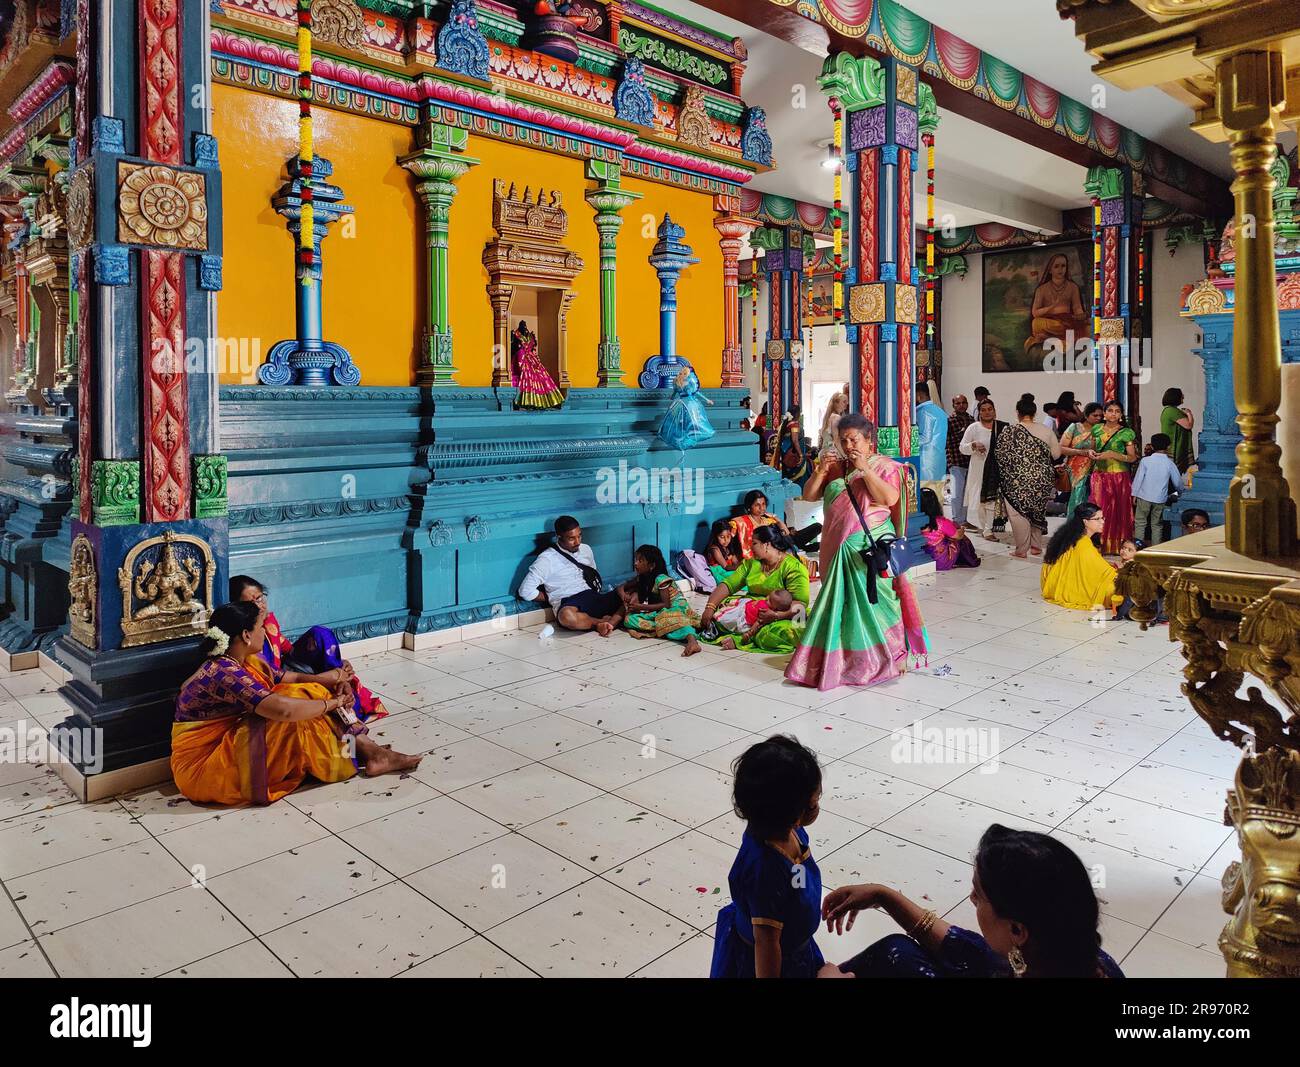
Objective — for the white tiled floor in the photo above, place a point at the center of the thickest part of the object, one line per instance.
(573, 814)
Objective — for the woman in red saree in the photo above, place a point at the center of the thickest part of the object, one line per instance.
(247, 734)
(315, 652)
(1114, 453)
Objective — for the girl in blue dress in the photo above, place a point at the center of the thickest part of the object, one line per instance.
(776, 889)
(686, 424)
(1036, 909)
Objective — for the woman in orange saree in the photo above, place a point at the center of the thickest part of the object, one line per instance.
(246, 734)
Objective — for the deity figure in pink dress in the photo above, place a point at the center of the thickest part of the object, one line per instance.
(537, 389)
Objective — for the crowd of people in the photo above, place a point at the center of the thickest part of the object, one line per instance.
(1080, 460)
(262, 712)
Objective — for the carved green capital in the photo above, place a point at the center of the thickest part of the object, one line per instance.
(856, 83)
(115, 491)
(927, 111)
(768, 238)
(1105, 183)
(210, 498)
(887, 440)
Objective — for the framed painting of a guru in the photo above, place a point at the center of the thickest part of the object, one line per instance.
(1032, 297)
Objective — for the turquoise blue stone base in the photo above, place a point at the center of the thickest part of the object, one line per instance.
(378, 511)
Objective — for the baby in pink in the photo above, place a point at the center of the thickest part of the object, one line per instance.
(741, 616)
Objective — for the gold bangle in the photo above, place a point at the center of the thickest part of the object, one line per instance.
(923, 925)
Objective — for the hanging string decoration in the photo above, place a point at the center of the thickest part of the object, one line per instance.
(753, 313)
(837, 220)
(808, 308)
(307, 218)
(929, 238)
(1142, 267)
(1096, 266)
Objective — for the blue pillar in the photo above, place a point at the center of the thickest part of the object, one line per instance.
(1218, 434)
(308, 359)
(669, 257)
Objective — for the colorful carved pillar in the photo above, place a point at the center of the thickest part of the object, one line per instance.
(1117, 323)
(783, 264)
(308, 359)
(146, 570)
(608, 200)
(732, 229)
(886, 108)
(669, 257)
(437, 166)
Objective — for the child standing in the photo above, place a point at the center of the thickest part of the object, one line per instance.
(1156, 475)
(776, 889)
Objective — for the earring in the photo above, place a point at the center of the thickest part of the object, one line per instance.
(1017, 961)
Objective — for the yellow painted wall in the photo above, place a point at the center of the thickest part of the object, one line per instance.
(373, 299)
(471, 231)
(699, 291)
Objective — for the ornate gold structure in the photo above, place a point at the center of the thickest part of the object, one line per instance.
(159, 205)
(531, 275)
(1233, 594)
(166, 585)
(694, 127)
(83, 586)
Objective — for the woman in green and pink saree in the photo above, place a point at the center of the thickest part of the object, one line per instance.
(849, 640)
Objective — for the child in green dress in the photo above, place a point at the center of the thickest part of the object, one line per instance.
(656, 607)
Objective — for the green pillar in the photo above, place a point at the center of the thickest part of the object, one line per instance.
(608, 200)
(436, 166)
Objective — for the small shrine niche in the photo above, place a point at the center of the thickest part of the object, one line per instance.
(531, 276)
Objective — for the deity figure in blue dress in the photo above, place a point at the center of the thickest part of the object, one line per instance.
(686, 424)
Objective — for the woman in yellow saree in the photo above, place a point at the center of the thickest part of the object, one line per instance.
(245, 734)
(1075, 574)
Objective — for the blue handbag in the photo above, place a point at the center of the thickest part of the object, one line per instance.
(887, 556)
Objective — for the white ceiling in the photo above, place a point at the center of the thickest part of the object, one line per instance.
(980, 175)
(1032, 37)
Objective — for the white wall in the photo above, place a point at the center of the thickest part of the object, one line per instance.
(1172, 341)
(828, 363)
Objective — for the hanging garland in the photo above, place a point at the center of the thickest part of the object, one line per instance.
(929, 238)
(753, 312)
(808, 312)
(1096, 267)
(1142, 266)
(837, 221)
(307, 219)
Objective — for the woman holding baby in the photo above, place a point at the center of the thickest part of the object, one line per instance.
(848, 639)
(757, 607)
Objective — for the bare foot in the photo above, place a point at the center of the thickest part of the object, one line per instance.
(692, 646)
(729, 643)
(1019, 555)
(604, 627)
(988, 537)
(386, 761)
(1035, 551)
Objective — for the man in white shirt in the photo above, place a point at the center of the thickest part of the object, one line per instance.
(565, 576)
